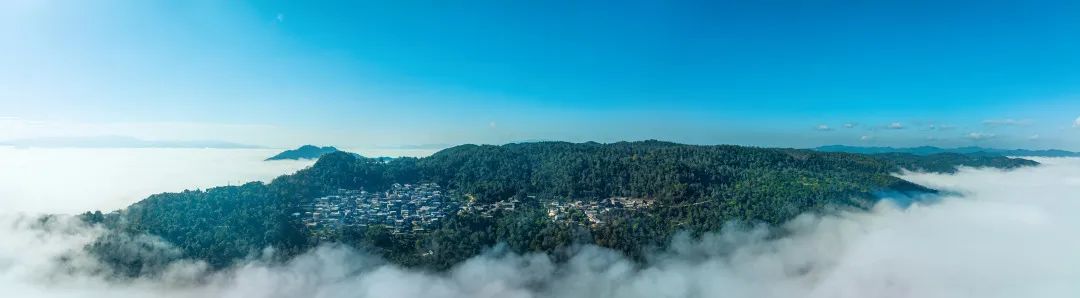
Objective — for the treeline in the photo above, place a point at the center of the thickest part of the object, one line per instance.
(699, 188)
(670, 172)
(949, 162)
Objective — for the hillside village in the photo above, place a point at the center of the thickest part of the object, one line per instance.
(418, 208)
(405, 208)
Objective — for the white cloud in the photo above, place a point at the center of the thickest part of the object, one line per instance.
(850, 125)
(1034, 137)
(112, 178)
(1077, 122)
(940, 127)
(1006, 122)
(978, 136)
(866, 138)
(896, 125)
(823, 127)
(491, 124)
(1003, 238)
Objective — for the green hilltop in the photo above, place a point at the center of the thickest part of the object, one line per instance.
(691, 188)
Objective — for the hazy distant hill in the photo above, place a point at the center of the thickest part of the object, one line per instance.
(119, 142)
(696, 189)
(927, 150)
(304, 152)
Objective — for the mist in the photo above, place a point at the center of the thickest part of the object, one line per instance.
(997, 234)
(75, 180)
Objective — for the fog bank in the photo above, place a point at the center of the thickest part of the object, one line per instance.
(74, 180)
(1006, 234)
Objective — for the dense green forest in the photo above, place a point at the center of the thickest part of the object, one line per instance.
(948, 162)
(697, 189)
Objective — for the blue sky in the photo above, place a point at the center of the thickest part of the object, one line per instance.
(402, 73)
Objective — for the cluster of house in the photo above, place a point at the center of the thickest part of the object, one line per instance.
(488, 210)
(417, 208)
(404, 208)
(595, 212)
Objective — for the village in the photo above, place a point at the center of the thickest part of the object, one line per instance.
(418, 208)
(404, 208)
(595, 212)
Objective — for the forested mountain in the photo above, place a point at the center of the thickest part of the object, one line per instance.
(928, 150)
(948, 162)
(696, 189)
(304, 152)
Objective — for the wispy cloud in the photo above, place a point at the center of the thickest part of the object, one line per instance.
(1077, 122)
(1006, 122)
(823, 127)
(895, 125)
(940, 127)
(850, 125)
(980, 136)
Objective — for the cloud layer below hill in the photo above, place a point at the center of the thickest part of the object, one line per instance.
(74, 180)
(1005, 234)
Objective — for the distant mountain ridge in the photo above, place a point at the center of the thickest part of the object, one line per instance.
(304, 152)
(120, 142)
(930, 150)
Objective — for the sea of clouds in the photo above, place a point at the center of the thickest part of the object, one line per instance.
(74, 180)
(999, 234)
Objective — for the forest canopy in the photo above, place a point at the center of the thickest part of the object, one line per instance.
(696, 189)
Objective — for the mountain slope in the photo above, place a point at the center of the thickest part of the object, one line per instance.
(949, 162)
(697, 188)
